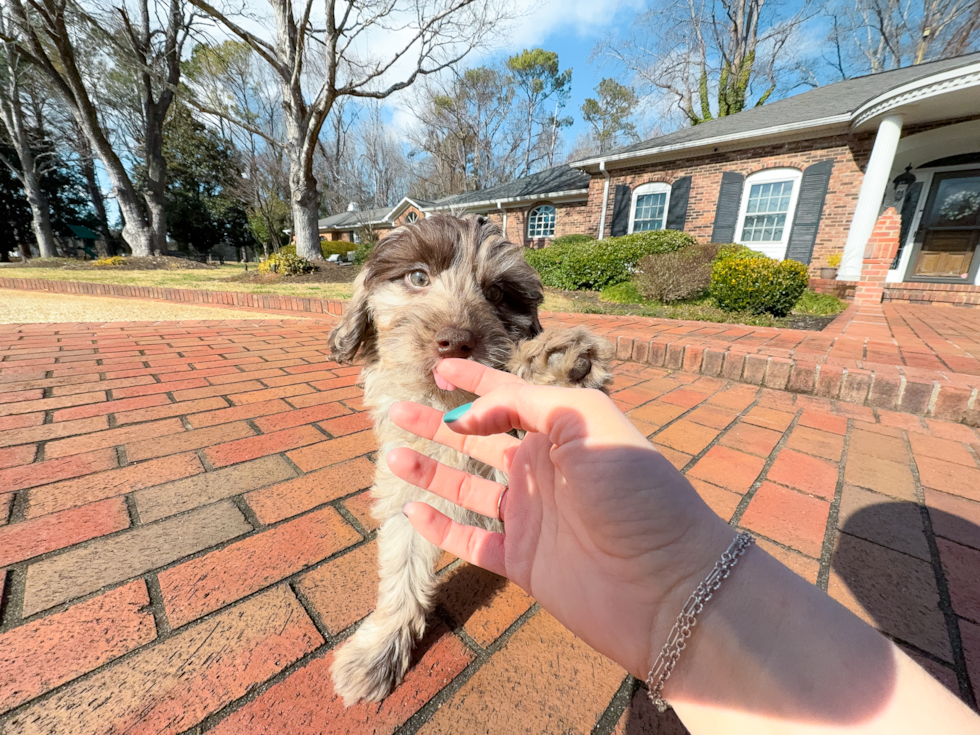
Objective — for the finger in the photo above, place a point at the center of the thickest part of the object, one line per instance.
(473, 377)
(475, 545)
(473, 493)
(427, 423)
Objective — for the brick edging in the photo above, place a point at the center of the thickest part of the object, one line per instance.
(936, 398)
(886, 389)
(271, 302)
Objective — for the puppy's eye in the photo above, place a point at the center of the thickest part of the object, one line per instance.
(418, 279)
(493, 293)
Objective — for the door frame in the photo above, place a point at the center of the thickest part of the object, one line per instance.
(913, 244)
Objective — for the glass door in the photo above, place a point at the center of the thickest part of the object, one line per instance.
(946, 244)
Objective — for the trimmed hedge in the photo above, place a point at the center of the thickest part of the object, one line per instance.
(682, 274)
(749, 281)
(577, 262)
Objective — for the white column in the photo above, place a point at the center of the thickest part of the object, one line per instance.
(869, 200)
(605, 200)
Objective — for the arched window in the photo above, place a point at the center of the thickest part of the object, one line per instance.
(541, 221)
(649, 209)
(766, 215)
(411, 217)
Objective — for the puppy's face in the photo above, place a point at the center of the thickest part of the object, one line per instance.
(440, 287)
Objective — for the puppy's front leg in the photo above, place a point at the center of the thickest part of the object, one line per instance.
(372, 663)
(570, 358)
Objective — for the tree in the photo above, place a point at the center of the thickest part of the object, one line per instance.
(468, 132)
(732, 53)
(537, 75)
(203, 205)
(148, 55)
(610, 115)
(421, 37)
(25, 166)
(877, 35)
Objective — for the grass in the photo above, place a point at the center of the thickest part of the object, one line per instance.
(204, 279)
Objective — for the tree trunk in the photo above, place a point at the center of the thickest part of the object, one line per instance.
(92, 184)
(41, 215)
(155, 192)
(305, 203)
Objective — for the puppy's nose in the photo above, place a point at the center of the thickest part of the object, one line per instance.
(455, 342)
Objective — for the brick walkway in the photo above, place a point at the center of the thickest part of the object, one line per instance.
(184, 529)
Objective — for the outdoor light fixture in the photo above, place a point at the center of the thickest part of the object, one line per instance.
(902, 182)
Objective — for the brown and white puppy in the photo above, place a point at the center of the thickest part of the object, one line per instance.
(440, 287)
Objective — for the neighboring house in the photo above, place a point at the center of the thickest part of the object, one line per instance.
(532, 210)
(355, 223)
(806, 177)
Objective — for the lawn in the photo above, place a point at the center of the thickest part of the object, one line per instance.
(215, 279)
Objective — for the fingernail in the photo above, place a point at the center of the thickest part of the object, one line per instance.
(404, 507)
(456, 413)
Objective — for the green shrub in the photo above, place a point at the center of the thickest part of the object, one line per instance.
(819, 304)
(576, 263)
(676, 276)
(735, 250)
(285, 264)
(363, 252)
(327, 248)
(622, 293)
(758, 284)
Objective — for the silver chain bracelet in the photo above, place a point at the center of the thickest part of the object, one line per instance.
(681, 631)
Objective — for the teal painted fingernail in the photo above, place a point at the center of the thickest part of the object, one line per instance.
(456, 413)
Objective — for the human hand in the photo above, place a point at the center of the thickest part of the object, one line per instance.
(599, 527)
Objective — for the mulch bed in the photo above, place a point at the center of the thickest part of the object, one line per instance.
(151, 263)
(325, 273)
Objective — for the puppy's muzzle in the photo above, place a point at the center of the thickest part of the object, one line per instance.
(455, 342)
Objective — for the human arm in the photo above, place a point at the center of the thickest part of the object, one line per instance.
(612, 540)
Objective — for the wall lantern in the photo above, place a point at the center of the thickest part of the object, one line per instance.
(902, 182)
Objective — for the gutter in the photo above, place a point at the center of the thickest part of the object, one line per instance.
(605, 200)
(716, 140)
(504, 213)
(569, 194)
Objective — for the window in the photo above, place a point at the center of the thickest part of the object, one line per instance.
(649, 210)
(355, 236)
(541, 222)
(411, 217)
(768, 203)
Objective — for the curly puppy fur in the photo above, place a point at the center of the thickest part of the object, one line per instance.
(440, 287)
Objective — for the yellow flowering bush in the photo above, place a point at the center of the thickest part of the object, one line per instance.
(752, 282)
(109, 262)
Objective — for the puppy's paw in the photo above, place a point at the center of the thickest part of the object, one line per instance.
(571, 358)
(371, 664)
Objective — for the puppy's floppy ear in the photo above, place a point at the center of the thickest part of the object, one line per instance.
(355, 329)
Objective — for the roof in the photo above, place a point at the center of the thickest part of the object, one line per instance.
(552, 181)
(833, 103)
(351, 220)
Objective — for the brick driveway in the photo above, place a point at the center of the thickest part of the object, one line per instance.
(185, 534)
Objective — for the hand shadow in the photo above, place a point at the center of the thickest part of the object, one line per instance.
(885, 570)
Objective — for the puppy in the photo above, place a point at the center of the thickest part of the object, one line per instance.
(438, 288)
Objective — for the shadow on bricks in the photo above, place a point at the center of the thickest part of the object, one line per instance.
(910, 571)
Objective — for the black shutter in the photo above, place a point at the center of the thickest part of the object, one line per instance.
(729, 201)
(677, 209)
(621, 211)
(909, 203)
(809, 207)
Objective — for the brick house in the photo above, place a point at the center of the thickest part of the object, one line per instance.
(808, 176)
(351, 225)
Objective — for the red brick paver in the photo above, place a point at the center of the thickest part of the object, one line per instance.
(186, 559)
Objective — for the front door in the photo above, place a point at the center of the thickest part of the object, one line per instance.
(946, 244)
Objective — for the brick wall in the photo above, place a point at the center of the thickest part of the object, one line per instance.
(571, 218)
(850, 154)
(878, 255)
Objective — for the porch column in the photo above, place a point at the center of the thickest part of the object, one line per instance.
(870, 198)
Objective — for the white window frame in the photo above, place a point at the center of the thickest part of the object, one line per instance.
(654, 187)
(530, 215)
(411, 217)
(775, 250)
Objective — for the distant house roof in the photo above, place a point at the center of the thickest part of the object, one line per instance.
(82, 232)
(379, 216)
(833, 104)
(550, 183)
